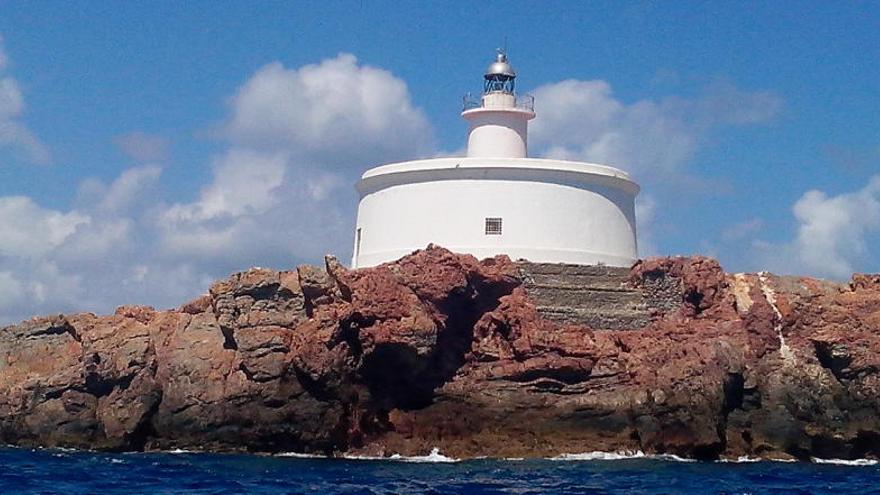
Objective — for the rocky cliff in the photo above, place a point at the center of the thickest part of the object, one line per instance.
(488, 358)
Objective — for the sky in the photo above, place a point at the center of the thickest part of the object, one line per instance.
(149, 148)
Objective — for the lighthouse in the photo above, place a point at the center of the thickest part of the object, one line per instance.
(499, 121)
(496, 199)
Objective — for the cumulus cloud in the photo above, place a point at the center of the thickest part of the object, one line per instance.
(833, 233)
(298, 138)
(279, 193)
(335, 111)
(655, 140)
(244, 191)
(31, 237)
(13, 133)
(257, 210)
(143, 147)
(101, 253)
(32, 231)
(135, 187)
(582, 120)
(11, 290)
(244, 182)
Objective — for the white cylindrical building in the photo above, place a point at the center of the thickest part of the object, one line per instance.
(496, 200)
(499, 123)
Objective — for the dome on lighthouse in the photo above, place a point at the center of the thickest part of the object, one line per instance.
(496, 199)
(500, 67)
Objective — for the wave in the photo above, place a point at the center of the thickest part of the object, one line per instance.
(816, 460)
(671, 457)
(744, 459)
(619, 456)
(434, 456)
(180, 451)
(600, 456)
(300, 455)
(847, 462)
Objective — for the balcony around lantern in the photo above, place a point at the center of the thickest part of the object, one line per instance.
(522, 102)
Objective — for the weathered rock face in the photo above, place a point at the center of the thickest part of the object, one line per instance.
(486, 358)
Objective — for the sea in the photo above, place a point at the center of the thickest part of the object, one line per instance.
(81, 472)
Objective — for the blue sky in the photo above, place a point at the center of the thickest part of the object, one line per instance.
(149, 148)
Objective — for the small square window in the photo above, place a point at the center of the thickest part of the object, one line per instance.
(493, 226)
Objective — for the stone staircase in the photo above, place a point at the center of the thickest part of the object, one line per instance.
(597, 296)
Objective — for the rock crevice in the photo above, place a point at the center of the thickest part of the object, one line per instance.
(477, 358)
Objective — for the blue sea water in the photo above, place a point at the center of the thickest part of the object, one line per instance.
(74, 472)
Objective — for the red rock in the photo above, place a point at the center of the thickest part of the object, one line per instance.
(441, 350)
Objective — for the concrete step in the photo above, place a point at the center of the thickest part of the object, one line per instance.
(594, 276)
(585, 297)
(592, 281)
(596, 295)
(574, 270)
(598, 319)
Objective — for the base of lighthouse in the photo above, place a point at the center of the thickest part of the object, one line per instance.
(545, 211)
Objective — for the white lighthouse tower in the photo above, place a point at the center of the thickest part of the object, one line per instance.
(497, 200)
(499, 124)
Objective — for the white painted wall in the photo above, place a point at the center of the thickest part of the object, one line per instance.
(552, 211)
(496, 134)
(498, 128)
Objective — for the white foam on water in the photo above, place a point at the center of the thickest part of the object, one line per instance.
(743, 459)
(300, 455)
(180, 451)
(846, 462)
(599, 456)
(434, 456)
(619, 456)
(671, 457)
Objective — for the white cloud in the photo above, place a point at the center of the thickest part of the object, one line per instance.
(581, 120)
(655, 140)
(13, 133)
(135, 187)
(84, 259)
(298, 139)
(38, 288)
(256, 210)
(280, 193)
(11, 290)
(96, 241)
(32, 231)
(143, 147)
(833, 234)
(321, 186)
(244, 182)
(335, 111)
